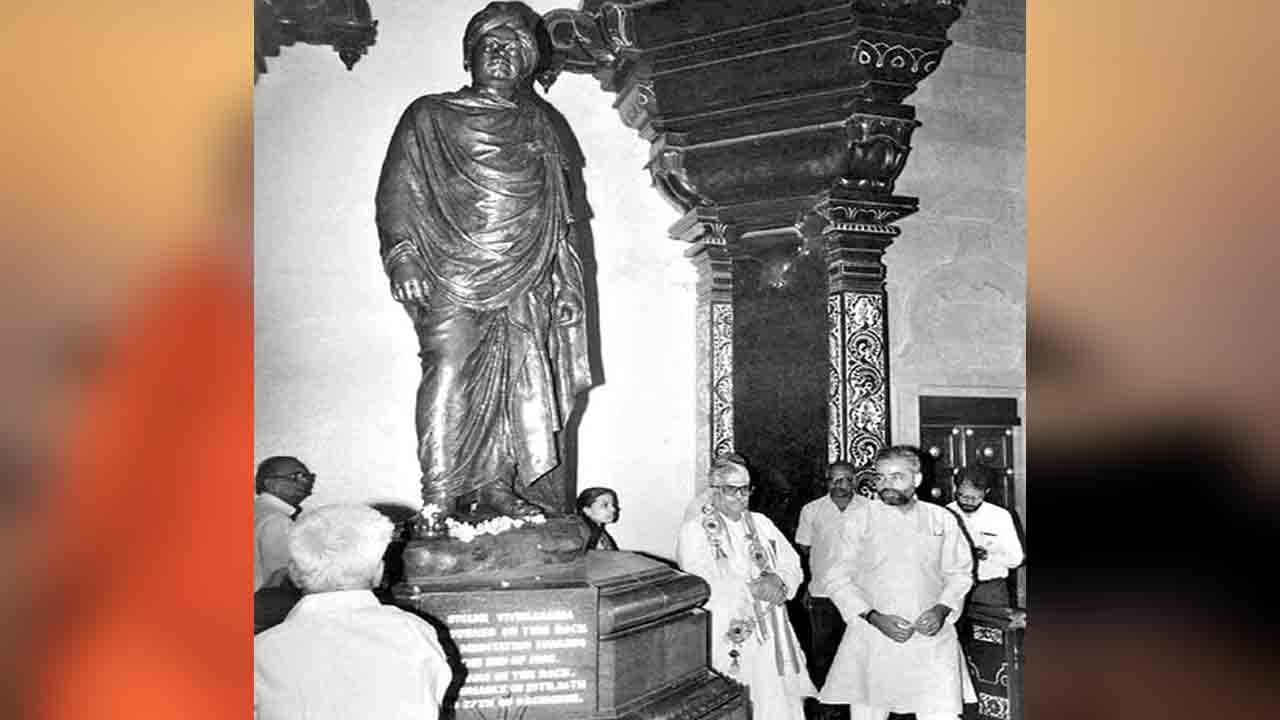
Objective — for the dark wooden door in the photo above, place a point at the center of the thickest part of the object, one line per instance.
(957, 432)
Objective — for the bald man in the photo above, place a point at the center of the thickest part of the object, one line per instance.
(282, 483)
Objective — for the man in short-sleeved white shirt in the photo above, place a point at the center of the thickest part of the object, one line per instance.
(992, 532)
(818, 537)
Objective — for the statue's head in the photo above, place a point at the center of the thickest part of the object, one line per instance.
(504, 45)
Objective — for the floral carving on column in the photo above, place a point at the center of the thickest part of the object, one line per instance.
(721, 378)
(858, 379)
(865, 370)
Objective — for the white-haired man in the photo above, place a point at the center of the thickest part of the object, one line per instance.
(752, 571)
(341, 654)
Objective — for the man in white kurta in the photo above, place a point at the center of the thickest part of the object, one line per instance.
(752, 571)
(341, 654)
(900, 585)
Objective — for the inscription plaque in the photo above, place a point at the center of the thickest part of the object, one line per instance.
(528, 649)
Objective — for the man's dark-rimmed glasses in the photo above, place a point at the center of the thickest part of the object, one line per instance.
(296, 476)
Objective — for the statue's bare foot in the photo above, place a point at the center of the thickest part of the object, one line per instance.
(436, 507)
(504, 501)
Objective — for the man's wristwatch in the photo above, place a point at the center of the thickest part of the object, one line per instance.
(867, 615)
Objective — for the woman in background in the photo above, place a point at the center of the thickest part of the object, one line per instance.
(598, 506)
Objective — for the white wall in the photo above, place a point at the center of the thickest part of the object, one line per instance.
(957, 278)
(336, 366)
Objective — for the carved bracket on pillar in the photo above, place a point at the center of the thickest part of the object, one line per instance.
(599, 42)
(878, 150)
(345, 25)
(667, 168)
(898, 43)
(637, 106)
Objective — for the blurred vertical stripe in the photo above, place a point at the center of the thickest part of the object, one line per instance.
(147, 611)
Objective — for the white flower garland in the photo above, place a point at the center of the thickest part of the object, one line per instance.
(466, 532)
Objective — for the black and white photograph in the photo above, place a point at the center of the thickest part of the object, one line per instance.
(639, 359)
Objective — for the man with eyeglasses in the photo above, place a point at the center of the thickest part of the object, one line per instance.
(900, 582)
(752, 571)
(282, 483)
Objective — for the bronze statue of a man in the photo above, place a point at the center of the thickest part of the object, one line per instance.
(473, 214)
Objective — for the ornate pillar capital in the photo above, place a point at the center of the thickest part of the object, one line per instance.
(856, 233)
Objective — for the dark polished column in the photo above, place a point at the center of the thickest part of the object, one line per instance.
(857, 330)
(709, 252)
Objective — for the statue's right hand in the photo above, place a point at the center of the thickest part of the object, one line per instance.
(409, 283)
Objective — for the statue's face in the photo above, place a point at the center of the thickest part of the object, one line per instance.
(496, 59)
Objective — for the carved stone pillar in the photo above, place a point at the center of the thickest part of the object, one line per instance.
(856, 235)
(709, 251)
(893, 47)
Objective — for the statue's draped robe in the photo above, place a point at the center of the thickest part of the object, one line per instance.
(476, 185)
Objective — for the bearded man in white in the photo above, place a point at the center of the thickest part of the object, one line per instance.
(341, 654)
(752, 571)
(900, 583)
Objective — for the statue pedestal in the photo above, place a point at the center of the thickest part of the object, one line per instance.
(626, 640)
(532, 555)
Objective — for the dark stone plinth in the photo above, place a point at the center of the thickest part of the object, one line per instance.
(626, 640)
